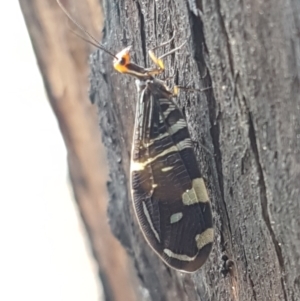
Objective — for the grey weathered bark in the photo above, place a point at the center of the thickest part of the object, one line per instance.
(248, 131)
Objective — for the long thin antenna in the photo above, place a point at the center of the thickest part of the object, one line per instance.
(94, 41)
(173, 50)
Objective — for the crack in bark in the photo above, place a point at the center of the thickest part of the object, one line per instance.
(264, 203)
(249, 274)
(142, 31)
(222, 25)
(198, 35)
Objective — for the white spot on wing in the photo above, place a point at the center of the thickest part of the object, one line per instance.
(181, 257)
(136, 166)
(204, 238)
(176, 217)
(180, 124)
(148, 217)
(160, 137)
(197, 194)
(186, 143)
(165, 169)
(170, 109)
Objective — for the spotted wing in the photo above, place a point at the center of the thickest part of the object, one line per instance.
(168, 191)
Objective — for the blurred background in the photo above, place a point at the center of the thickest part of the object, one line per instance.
(44, 251)
(56, 243)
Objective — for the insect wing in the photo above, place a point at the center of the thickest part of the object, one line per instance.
(168, 191)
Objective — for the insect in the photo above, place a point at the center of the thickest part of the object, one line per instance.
(169, 196)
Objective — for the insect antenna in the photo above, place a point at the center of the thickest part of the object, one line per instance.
(173, 50)
(91, 39)
(165, 43)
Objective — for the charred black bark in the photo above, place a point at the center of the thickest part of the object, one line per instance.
(247, 127)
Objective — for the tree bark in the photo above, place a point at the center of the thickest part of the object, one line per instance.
(248, 133)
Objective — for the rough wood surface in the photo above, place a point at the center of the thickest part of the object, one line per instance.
(248, 133)
(63, 61)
